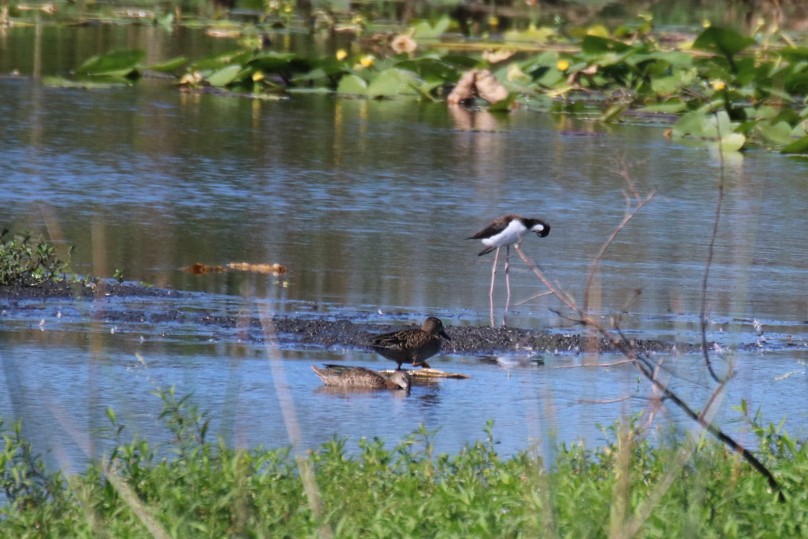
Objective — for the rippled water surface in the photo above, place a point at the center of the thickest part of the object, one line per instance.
(368, 204)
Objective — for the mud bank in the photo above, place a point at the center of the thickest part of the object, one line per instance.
(332, 331)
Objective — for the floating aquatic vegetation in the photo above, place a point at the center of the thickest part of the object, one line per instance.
(198, 268)
(731, 90)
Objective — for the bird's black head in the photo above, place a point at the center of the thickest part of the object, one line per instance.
(541, 228)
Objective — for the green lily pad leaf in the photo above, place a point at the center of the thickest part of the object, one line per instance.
(551, 77)
(798, 146)
(532, 34)
(671, 107)
(61, 82)
(692, 123)
(112, 62)
(665, 86)
(722, 40)
(352, 85)
(424, 30)
(673, 58)
(797, 83)
(315, 74)
(613, 113)
(592, 44)
(223, 59)
(779, 133)
(393, 82)
(316, 90)
(732, 142)
(799, 131)
(710, 129)
(273, 62)
(224, 76)
(794, 54)
(431, 69)
(764, 112)
(169, 66)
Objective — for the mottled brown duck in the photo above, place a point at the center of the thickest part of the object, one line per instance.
(412, 345)
(361, 378)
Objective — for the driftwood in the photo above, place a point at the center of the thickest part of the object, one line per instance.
(431, 374)
(477, 83)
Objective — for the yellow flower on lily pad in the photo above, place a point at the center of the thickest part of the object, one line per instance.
(563, 65)
(719, 85)
(367, 60)
(257, 76)
(342, 54)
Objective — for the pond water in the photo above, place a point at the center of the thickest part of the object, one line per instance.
(368, 204)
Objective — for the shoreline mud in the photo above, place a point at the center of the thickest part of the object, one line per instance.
(330, 331)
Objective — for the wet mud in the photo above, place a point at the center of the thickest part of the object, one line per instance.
(334, 331)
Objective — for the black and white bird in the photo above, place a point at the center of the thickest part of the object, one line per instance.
(507, 230)
(503, 232)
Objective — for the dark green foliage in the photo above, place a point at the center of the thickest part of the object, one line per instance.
(24, 262)
(25, 481)
(195, 488)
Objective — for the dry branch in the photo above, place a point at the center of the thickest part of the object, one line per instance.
(647, 367)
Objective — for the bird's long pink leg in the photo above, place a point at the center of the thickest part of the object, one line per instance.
(491, 291)
(507, 283)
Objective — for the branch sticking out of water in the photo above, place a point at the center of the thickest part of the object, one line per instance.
(647, 367)
(709, 262)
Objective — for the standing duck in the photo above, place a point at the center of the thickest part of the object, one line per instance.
(412, 345)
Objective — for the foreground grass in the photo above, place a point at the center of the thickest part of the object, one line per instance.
(206, 489)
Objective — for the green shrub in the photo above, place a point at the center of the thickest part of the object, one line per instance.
(24, 262)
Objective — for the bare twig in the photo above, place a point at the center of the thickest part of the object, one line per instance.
(644, 364)
(634, 205)
(531, 298)
(709, 262)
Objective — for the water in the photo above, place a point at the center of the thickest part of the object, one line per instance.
(368, 204)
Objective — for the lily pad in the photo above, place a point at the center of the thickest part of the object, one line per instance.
(732, 142)
(169, 66)
(593, 44)
(710, 129)
(722, 40)
(393, 82)
(798, 146)
(352, 85)
(778, 133)
(424, 30)
(112, 63)
(61, 82)
(224, 76)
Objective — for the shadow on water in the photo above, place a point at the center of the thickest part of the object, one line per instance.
(367, 203)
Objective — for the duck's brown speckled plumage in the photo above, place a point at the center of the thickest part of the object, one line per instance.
(361, 378)
(412, 345)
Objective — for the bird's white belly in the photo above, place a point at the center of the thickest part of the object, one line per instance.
(511, 234)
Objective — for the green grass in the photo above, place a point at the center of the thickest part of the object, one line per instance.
(197, 488)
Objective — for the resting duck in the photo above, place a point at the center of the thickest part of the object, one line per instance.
(360, 377)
